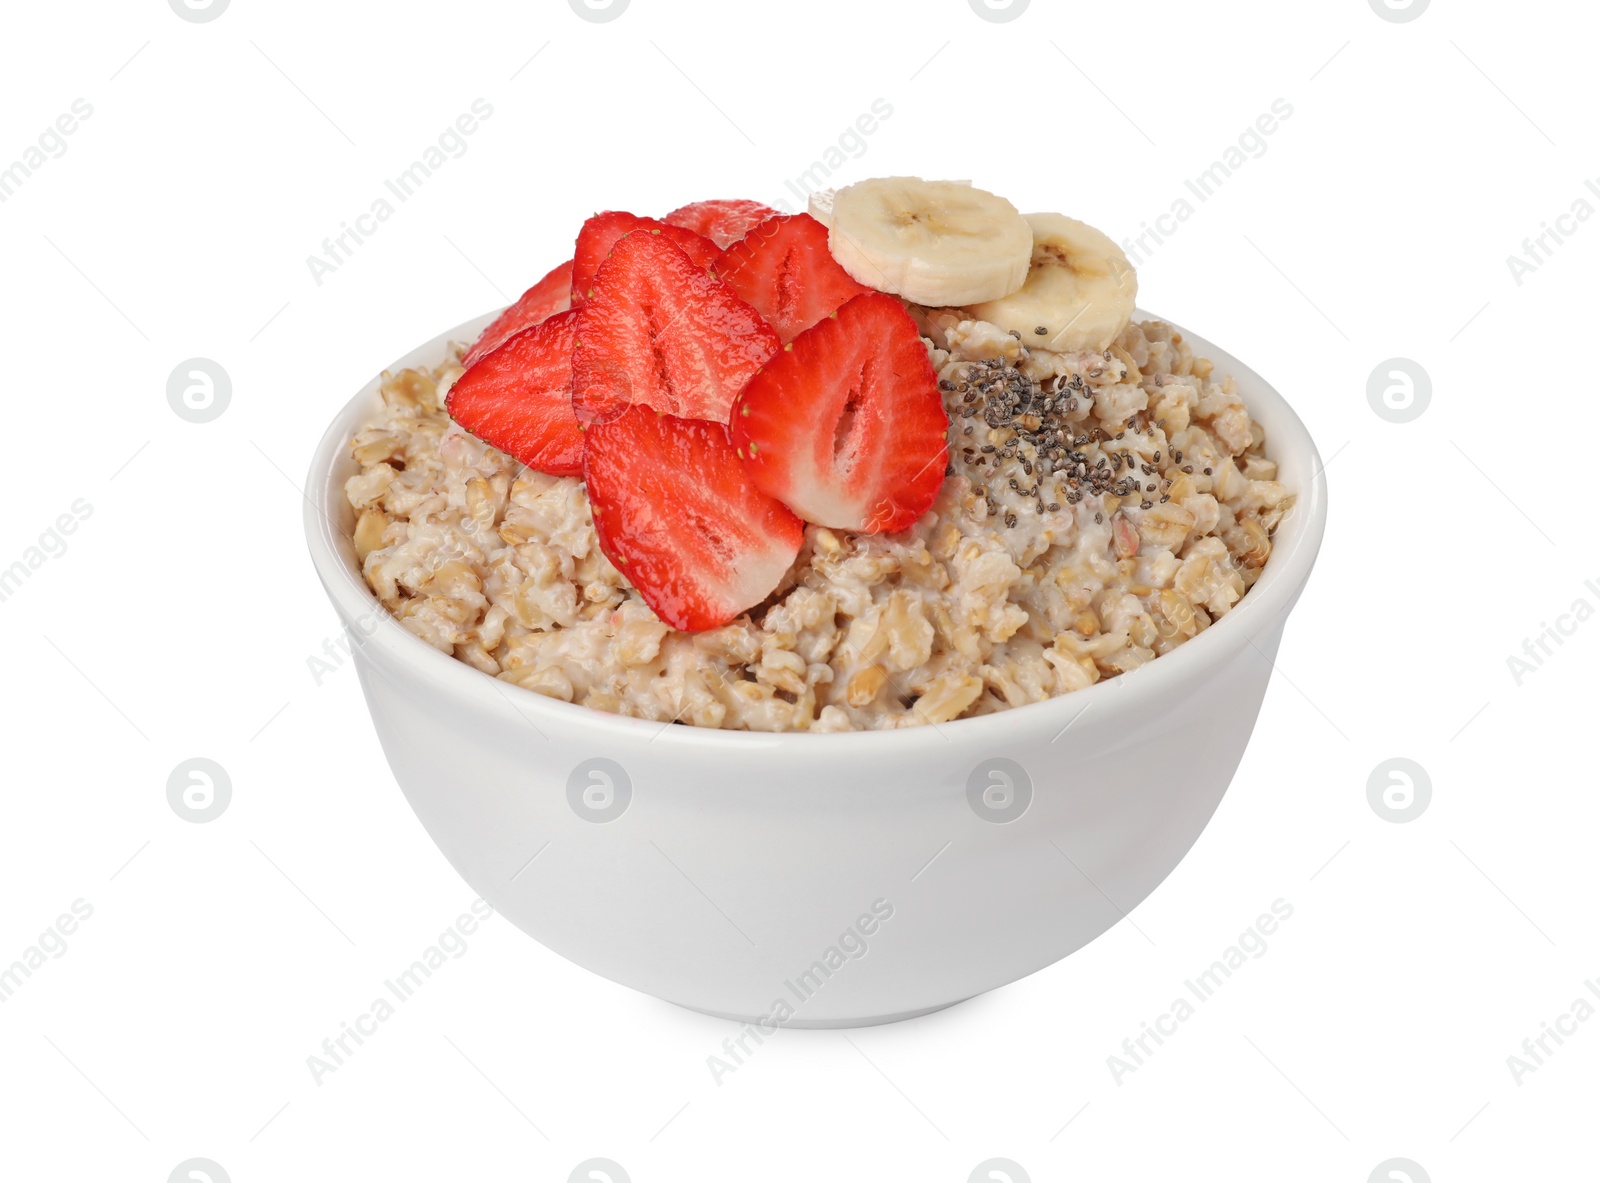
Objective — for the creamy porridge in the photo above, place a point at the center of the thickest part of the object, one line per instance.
(1099, 509)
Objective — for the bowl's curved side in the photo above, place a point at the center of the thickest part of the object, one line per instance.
(723, 885)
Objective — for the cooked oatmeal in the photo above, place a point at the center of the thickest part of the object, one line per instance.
(1099, 510)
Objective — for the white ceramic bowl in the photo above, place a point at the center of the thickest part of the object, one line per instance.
(824, 880)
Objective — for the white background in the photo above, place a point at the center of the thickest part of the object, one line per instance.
(179, 621)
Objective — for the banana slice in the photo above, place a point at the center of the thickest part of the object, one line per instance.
(1080, 289)
(937, 243)
(820, 206)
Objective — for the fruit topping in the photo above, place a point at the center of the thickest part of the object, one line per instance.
(1079, 292)
(518, 398)
(658, 329)
(678, 514)
(783, 269)
(550, 295)
(937, 243)
(602, 232)
(846, 425)
(723, 222)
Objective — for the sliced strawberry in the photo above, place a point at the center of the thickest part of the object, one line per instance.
(601, 232)
(519, 398)
(723, 222)
(658, 329)
(544, 299)
(678, 514)
(784, 269)
(846, 425)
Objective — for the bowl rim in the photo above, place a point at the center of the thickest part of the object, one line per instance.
(1297, 541)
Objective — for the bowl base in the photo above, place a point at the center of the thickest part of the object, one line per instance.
(828, 1024)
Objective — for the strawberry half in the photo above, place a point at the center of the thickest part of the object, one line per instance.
(678, 514)
(543, 300)
(519, 398)
(601, 232)
(658, 329)
(723, 222)
(846, 425)
(784, 269)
